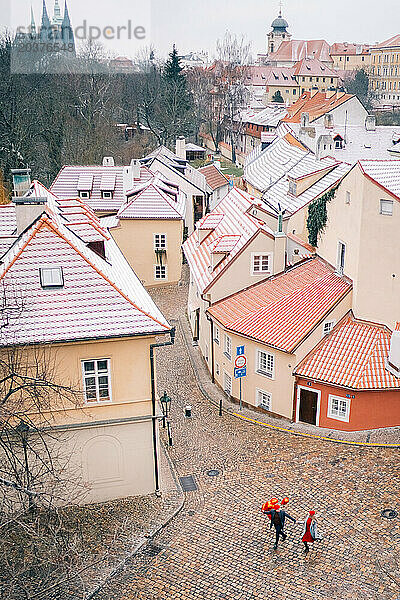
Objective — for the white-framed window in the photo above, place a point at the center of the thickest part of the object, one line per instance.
(265, 363)
(51, 277)
(261, 263)
(386, 207)
(339, 408)
(341, 255)
(106, 194)
(216, 368)
(348, 197)
(327, 327)
(263, 399)
(96, 380)
(160, 272)
(160, 241)
(227, 384)
(216, 335)
(84, 194)
(227, 346)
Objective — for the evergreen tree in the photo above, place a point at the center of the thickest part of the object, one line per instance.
(277, 97)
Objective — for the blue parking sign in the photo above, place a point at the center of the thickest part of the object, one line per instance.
(239, 373)
(239, 350)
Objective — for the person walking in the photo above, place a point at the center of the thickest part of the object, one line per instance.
(278, 517)
(310, 531)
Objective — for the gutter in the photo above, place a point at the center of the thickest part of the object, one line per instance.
(153, 404)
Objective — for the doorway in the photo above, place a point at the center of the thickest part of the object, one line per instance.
(308, 406)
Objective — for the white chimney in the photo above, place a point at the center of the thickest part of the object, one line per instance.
(127, 179)
(324, 146)
(180, 147)
(135, 164)
(370, 123)
(393, 361)
(108, 161)
(27, 210)
(305, 119)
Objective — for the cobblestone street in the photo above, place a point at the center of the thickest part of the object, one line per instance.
(220, 546)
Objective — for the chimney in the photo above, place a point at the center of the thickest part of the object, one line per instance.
(328, 121)
(180, 148)
(127, 179)
(21, 181)
(108, 161)
(305, 119)
(370, 123)
(324, 146)
(393, 361)
(135, 165)
(279, 251)
(27, 209)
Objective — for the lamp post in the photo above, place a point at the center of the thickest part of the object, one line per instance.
(165, 403)
(23, 430)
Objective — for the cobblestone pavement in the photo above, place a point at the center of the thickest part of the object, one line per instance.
(219, 546)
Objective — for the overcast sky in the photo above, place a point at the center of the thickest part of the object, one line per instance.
(197, 24)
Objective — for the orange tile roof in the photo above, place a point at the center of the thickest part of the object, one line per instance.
(281, 311)
(312, 67)
(294, 50)
(353, 355)
(392, 42)
(315, 105)
(215, 179)
(343, 48)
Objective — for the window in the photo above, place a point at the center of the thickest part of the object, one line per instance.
(160, 241)
(83, 194)
(106, 194)
(341, 257)
(348, 197)
(263, 399)
(327, 327)
(339, 408)
(160, 272)
(217, 369)
(216, 335)
(206, 353)
(227, 384)
(386, 207)
(228, 347)
(51, 277)
(265, 363)
(261, 263)
(96, 380)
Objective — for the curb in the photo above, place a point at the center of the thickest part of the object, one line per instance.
(147, 537)
(268, 425)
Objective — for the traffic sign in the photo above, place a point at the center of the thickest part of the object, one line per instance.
(239, 350)
(239, 373)
(240, 361)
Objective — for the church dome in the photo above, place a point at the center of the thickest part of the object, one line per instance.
(279, 24)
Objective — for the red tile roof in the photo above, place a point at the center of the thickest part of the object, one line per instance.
(353, 355)
(282, 311)
(312, 67)
(295, 50)
(315, 105)
(235, 221)
(343, 48)
(392, 42)
(215, 179)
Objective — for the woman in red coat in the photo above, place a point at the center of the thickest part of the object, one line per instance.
(310, 531)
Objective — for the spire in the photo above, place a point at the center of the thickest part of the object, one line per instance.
(66, 29)
(67, 21)
(45, 17)
(57, 18)
(33, 24)
(280, 8)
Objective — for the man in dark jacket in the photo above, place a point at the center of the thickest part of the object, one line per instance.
(278, 521)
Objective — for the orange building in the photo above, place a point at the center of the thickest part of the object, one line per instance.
(347, 381)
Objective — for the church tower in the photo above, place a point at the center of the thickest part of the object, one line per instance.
(278, 34)
(57, 18)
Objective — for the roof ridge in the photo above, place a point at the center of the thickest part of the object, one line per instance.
(377, 335)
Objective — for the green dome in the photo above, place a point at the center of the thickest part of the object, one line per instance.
(279, 24)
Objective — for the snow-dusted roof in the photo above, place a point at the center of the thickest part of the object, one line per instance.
(99, 298)
(153, 199)
(179, 167)
(268, 171)
(385, 173)
(271, 116)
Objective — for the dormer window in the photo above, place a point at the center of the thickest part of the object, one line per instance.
(292, 187)
(51, 277)
(84, 194)
(106, 194)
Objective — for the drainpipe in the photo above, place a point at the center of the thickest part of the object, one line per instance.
(153, 404)
(212, 347)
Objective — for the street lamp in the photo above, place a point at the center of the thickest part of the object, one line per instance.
(165, 403)
(23, 429)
